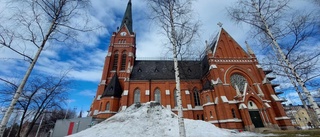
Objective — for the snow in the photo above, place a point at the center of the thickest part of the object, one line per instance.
(153, 120)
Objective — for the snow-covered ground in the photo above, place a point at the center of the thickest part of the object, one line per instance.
(151, 120)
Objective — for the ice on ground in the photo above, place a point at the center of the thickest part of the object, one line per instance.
(153, 120)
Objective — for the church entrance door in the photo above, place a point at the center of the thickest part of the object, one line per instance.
(256, 119)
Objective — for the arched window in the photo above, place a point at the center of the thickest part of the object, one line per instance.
(157, 96)
(175, 98)
(108, 106)
(196, 97)
(208, 99)
(115, 61)
(123, 60)
(100, 106)
(136, 96)
(233, 113)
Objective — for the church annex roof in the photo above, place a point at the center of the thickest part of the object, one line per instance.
(164, 70)
(113, 88)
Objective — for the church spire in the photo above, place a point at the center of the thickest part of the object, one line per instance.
(127, 18)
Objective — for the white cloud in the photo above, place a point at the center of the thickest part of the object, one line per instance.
(89, 93)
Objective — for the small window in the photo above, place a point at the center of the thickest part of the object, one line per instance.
(115, 61)
(137, 96)
(208, 99)
(139, 70)
(198, 117)
(100, 106)
(157, 96)
(108, 106)
(250, 103)
(210, 114)
(233, 113)
(196, 97)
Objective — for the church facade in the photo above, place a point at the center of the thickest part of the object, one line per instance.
(227, 87)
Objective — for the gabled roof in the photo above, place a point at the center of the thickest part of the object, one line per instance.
(113, 88)
(164, 70)
(224, 46)
(127, 18)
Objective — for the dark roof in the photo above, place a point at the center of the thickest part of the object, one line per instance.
(204, 65)
(164, 70)
(113, 88)
(127, 18)
(207, 85)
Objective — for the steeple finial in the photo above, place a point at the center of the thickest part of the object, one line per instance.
(127, 18)
(249, 49)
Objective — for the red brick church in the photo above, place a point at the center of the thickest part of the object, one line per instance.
(227, 87)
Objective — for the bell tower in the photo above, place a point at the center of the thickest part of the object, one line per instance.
(117, 68)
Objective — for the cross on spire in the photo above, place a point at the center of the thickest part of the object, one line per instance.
(219, 24)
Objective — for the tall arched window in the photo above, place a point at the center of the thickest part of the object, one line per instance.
(136, 96)
(108, 106)
(175, 98)
(100, 106)
(123, 60)
(233, 113)
(115, 61)
(196, 97)
(157, 96)
(208, 99)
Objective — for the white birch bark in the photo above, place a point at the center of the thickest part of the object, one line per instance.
(288, 63)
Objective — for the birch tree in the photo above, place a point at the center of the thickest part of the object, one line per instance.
(268, 20)
(41, 93)
(29, 25)
(175, 19)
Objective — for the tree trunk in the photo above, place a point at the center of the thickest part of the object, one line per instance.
(8, 113)
(182, 131)
(292, 69)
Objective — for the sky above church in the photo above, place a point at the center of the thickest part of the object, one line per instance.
(85, 62)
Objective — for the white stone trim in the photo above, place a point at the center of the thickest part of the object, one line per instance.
(213, 66)
(103, 82)
(224, 99)
(147, 92)
(258, 66)
(168, 106)
(208, 104)
(189, 106)
(197, 108)
(267, 105)
(107, 112)
(242, 106)
(275, 97)
(167, 92)
(98, 97)
(125, 92)
(187, 92)
(95, 112)
(123, 107)
(225, 120)
(216, 100)
(282, 118)
(109, 54)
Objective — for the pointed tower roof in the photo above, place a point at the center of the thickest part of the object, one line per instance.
(113, 88)
(127, 18)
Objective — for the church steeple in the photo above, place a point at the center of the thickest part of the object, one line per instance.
(127, 18)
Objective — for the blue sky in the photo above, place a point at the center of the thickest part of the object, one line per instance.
(85, 61)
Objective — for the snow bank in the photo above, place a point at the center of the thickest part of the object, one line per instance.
(153, 120)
